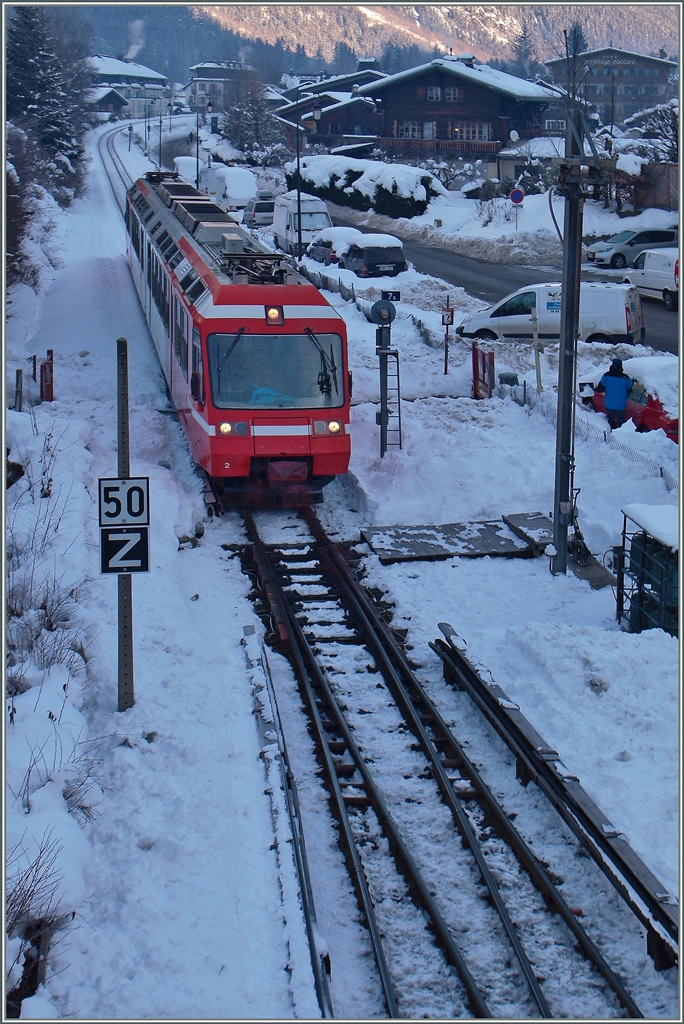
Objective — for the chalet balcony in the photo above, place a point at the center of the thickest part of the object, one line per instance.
(438, 145)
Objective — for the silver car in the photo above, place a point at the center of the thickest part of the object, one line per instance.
(259, 211)
(624, 247)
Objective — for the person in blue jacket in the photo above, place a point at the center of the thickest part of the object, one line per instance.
(616, 385)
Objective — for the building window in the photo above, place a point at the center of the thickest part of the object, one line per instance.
(647, 72)
(554, 126)
(471, 132)
(428, 130)
(452, 94)
(409, 130)
(434, 92)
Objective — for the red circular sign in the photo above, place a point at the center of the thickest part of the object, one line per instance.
(517, 196)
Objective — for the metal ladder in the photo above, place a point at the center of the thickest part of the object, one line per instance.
(393, 399)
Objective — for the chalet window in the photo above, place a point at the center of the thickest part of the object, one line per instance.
(409, 130)
(554, 125)
(428, 130)
(452, 94)
(434, 92)
(471, 132)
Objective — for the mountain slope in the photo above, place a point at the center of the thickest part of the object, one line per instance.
(487, 30)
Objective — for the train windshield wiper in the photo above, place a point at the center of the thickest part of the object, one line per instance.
(327, 364)
(230, 349)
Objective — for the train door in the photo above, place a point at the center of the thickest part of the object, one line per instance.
(148, 280)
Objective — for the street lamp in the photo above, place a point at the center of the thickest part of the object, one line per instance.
(209, 109)
(299, 188)
(160, 135)
(150, 111)
(169, 108)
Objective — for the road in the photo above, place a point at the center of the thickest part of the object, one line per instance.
(492, 281)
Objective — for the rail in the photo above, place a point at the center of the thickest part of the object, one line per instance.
(636, 884)
(334, 738)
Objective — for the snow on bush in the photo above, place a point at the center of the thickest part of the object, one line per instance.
(395, 190)
(50, 789)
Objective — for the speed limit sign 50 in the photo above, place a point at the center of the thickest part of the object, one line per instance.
(125, 502)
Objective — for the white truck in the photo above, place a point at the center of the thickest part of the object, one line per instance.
(608, 313)
(315, 217)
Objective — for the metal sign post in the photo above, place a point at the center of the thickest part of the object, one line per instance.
(447, 320)
(516, 197)
(124, 531)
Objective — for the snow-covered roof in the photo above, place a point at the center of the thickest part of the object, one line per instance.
(478, 74)
(659, 521)
(229, 65)
(538, 148)
(380, 241)
(112, 66)
(95, 95)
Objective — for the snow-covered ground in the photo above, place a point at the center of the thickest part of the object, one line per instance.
(167, 852)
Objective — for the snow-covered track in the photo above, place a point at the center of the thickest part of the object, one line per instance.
(646, 897)
(315, 583)
(114, 167)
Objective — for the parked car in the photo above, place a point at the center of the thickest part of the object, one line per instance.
(608, 312)
(259, 211)
(331, 243)
(315, 217)
(375, 255)
(655, 274)
(654, 391)
(624, 247)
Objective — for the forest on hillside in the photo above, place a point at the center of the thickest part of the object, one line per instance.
(331, 37)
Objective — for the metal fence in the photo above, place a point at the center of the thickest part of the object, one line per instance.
(546, 403)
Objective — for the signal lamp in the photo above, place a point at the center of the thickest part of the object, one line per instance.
(225, 428)
(334, 427)
(274, 315)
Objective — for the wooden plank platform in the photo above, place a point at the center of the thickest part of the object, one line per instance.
(430, 543)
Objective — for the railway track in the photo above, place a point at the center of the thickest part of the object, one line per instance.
(438, 868)
(114, 167)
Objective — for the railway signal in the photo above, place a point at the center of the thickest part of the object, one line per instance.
(447, 322)
(383, 313)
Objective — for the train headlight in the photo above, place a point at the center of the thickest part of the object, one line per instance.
(334, 427)
(275, 315)
(225, 429)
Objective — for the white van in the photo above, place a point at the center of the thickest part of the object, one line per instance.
(315, 217)
(234, 186)
(608, 312)
(655, 274)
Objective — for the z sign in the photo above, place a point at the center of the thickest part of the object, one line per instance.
(124, 525)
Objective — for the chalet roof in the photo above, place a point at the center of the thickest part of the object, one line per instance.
(618, 51)
(97, 94)
(224, 65)
(114, 67)
(338, 82)
(478, 74)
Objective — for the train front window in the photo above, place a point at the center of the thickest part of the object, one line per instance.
(276, 371)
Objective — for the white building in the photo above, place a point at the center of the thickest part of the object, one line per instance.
(146, 91)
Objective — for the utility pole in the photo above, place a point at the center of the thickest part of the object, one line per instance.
(572, 183)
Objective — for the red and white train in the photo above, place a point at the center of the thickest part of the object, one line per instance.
(254, 357)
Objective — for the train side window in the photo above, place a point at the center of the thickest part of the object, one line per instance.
(196, 366)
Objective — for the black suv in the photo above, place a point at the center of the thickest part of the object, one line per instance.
(375, 256)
